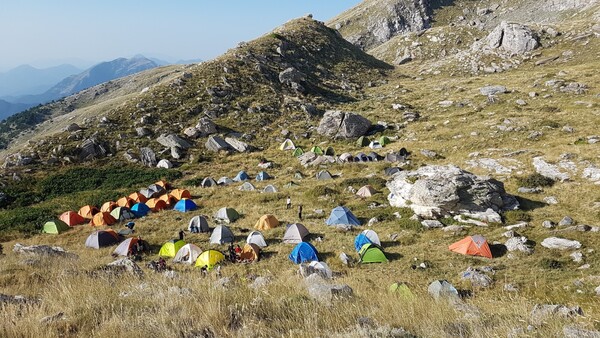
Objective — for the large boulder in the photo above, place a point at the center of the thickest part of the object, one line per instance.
(321, 291)
(339, 124)
(148, 157)
(436, 191)
(518, 243)
(238, 145)
(91, 149)
(42, 250)
(513, 38)
(216, 144)
(549, 170)
(560, 243)
(206, 127)
(172, 140)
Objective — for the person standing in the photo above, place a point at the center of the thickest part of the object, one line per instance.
(300, 211)
(288, 203)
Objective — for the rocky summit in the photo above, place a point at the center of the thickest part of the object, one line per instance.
(437, 160)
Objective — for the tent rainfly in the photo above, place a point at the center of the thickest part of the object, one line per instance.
(295, 233)
(256, 237)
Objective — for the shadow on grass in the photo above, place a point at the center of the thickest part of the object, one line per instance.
(529, 205)
(389, 244)
(498, 250)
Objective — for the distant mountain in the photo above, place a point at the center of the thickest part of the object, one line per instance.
(27, 80)
(7, 109)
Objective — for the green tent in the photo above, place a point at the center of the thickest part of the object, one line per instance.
(170, 248)
(55, 227)
(363, 141)
(402, 290)
(298, 152)
(317, 150)
(329, 151)
(371, 253)
(384, 140)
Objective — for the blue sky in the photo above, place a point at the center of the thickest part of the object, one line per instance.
(45, 33)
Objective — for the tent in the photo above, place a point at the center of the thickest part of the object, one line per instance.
(121, 213)
(270, 189)
(247, 186)
(108, 206)
(298, 152)
(342, 216)
(88, 211)
(209, 258)
(224, 181)
(102, 219)
(384, 140)
(227, 215)
(250, 253)
(346, 157)
(158, 188)
(187, 254)
(373, 156)
(138, 198)
(371, 253)
(208, 182)
(375, 145)
(266, 222)
(55, 227)
(162, 183)
(303, 252)
(366, 191)
(169, 199)
(287, 145)
(442, 289)
(363, 141)
(361, 157)
(198, 224)
(170, 248)
(125, 202)
(295, 233)
(71, 218)
(391, 171)
(402, 289)
(329, 151)
(241, 176)
(180, 194)
(360, 240)
(153, 190)
(156, 204)
(290, 184)
(472, 245)
(256, 237)
(126, 247)
(317, 150)
(140, 209)
(185, 205)
(221, 235)
(372, 236)
(403, 152)
(263, 176)
(393, 157)
(102, 238)
(324, 175)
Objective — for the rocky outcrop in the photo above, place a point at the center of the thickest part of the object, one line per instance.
(549, 170)
(560, 243)
(148, 157)
(513, 38)
(172, 140)
(216, 144)
(437, 191)
(91, 149)
(339, 124)
(42, 250)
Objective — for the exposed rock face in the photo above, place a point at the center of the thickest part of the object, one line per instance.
(148, 157)
(172, 140)
(206, 127)
(91, 149)
(434, 191)
(42, 250)
(339, 124)
(560, 243)
(549, 170)
(513, 38)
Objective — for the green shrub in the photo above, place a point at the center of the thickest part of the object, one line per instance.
(358, 182)
(535, 180)
(26, 220)
(516, 216)
(320, 190)
(547, 263)
(192, 182)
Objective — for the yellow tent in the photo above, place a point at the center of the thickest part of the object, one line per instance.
(266, 222)
(170, 248)
(209, 258)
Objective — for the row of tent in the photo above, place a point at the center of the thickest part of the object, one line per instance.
(364, 141)
(242, 176)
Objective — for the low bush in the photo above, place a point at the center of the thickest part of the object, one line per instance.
(320, 190)
(534, 181)
(516, 216)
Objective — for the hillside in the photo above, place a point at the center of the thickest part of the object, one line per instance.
(26, 79)
(7, 108)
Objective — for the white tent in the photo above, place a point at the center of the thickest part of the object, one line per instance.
(295, 233)
(221, 235)
(287, 145)
(247, 186)
(375, 145)
(187, 254)
(270, 188)
(224, 181)
(198, 224)
(256, 237)
(372, 236)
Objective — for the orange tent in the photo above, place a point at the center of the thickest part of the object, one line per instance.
(250, 253)
(138, 198)
(103, 218)
(162, 183)
(71, 218)
(88, 211)
(180, 194)
(170, 200)
(266, 222)
(472, 245)
(108, 206)
(125, 202)
(156, 204)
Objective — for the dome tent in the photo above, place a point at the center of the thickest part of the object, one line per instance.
(140, 209)
(171, 248)
(472, 245)
(221, 235)
(241, 176)
(342, 216)
(71, 218)
(198, 224)
(209, 258)
(102, 238)
(227, 215)
(256, 237)
(303, 252)
(187, 254)
(55, 227)
(371, 253)
(295, 233)
(185, 205)
(266, 222)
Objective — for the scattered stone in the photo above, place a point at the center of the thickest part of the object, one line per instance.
(172, 140)
(551, 200)
(166, 164)
(510, 288)
(91, 149)
(142, 131)
(206, 127)
(577, 257)
(53, 318)
(216, 144)
(325, 293)
(542, 312)
(566, 221)
(519, 244)
(455, 229)
(345, 259)
(549, 170)
(477, 278)
(548, 224)
(521, 102)
(429, 153)
(125, 264)
(570, 331)
(148, 157)
(238, 145)
(73, 127)
(339, 124)
(525, 190)
(492, 90)
(372, 221)
(560, 243)
(431, 224)
(18, 299)
(223, 283)
(260, 282)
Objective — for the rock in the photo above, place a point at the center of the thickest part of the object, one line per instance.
(325, 293)
(492, 90)
(518, 244)
(18, 299)
(542, 312)
(446, 103)
(191, 132)
(260, 282)
(513, 38)
(206, 127)
(345, 259)
(53, 318)
(433, 191)
(372, 221)
(521, 102)
(166, 164)
(321, 269)
(339, 124)
(429, 153)
(172, 140)
(238, 145)
(519, 225)
(592, 174)
(216, 144)
(142, 131)
(549, 170)
(548, 224)
(176, 153)
(510, 288)
(477, 278)
(126, 264)
(73, 127)
(570, 331)
(148, 157)
(560, 243)
(223, 283)
(550, 200)
(307, 157)
(567, 220)
(441, 289)
(577, 257)
(91, 149)
(291, 75)
(455, 229)
(525, 190)
(43, 250)
(431, 224)
(410, 116)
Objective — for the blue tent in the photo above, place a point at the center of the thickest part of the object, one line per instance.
(241, 176)
(263, 176)
(343, 216)
(303, 252)
(361, 240)
(185, 205)
(140, 209)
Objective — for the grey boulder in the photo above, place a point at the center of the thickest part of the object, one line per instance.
(339, 124)
(560, 243)
(513, 38)
(172, 140)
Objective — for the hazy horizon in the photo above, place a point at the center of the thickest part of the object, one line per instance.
(46, 34)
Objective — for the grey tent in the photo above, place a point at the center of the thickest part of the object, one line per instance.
(256, 237)
(101, 238)
(270, 189)
(227, 215)
(391, 171)
(361, 157)
(247, 186)
(208, 182)
(373, 156)
(221, 235)
(346, 157)
(295, 233)
(216, 144)
(363, 141)
(122, 213)
(153, 190)
(224, 181)
(442, 289)
(393, 157)
(198, 224)
(329, 151)
(324, 175)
